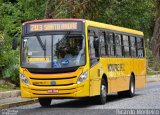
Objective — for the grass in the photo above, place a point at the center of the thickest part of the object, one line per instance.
(5, 87)
(151, 73)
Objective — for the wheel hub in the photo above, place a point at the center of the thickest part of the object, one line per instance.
(103, 89)
(132, 87)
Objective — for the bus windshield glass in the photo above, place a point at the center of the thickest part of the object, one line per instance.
(53, 51)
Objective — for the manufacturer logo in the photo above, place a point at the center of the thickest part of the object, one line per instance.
(53, 83)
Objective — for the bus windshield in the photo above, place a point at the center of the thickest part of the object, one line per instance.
(53, 51)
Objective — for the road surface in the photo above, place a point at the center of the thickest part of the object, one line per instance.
(146, 101)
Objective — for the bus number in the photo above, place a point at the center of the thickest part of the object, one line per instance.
(36, 27)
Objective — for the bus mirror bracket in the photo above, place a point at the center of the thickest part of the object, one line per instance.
(15, 42)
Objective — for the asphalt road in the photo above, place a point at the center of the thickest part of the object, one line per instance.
(146, 101)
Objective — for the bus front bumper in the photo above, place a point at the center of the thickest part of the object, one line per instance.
(72, 91)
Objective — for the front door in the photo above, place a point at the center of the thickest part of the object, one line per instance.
(94, 65)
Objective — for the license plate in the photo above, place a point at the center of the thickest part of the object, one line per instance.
(53, 91)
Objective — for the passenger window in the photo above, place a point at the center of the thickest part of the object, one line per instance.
(125, 40)
(133, 46)
(103, 44)
(140, 47)
(118, 45)
(132, 41)
(126, 46)
(111, 44)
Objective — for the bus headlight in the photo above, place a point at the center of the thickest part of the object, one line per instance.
(24, 79)
(82, 77)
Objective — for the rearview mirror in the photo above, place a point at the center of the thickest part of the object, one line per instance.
(15, 42)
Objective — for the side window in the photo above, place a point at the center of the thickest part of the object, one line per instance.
(93, 49)
(110, 44)
(133, 46)
(118, 45)
(140, 47)
(126, 46)
(103, 44)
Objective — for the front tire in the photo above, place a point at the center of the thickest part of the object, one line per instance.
(101, 99)
(44, 102)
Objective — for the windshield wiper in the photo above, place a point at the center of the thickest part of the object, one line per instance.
(64, 37)
(43, 46)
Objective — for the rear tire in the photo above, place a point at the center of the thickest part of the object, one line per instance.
(131, 91)
(101, 99)
(44, 102)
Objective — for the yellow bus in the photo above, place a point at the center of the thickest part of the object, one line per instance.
(76, 58)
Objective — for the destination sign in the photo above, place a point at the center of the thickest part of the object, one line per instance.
(53, 26)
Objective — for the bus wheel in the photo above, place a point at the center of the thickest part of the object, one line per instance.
(44, 102)
(101, 99)
(131, 91)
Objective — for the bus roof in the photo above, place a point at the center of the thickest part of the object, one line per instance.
(92, 24)
(56, 19)
(112, 27)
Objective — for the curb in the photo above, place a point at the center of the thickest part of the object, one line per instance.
(153, 78)
(148, 81)
(15, 104)
(8, 94)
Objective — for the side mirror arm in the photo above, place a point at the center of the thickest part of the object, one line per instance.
(15, 42)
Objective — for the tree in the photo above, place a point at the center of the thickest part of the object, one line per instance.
(128, 13)
(156, 35)
(136, 14)
(12, 14)
(88, 9)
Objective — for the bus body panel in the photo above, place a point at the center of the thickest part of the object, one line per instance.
(140, 72)
(119, 80)
(95, 80)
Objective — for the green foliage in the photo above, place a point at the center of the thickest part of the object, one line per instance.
(9, 25)
(10, 62)
(150, 58)
(7, 87)
(136, 14)
(12, 14)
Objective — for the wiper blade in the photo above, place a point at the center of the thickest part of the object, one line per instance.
(43, 46)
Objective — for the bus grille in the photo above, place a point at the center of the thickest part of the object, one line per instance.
(53, 81)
